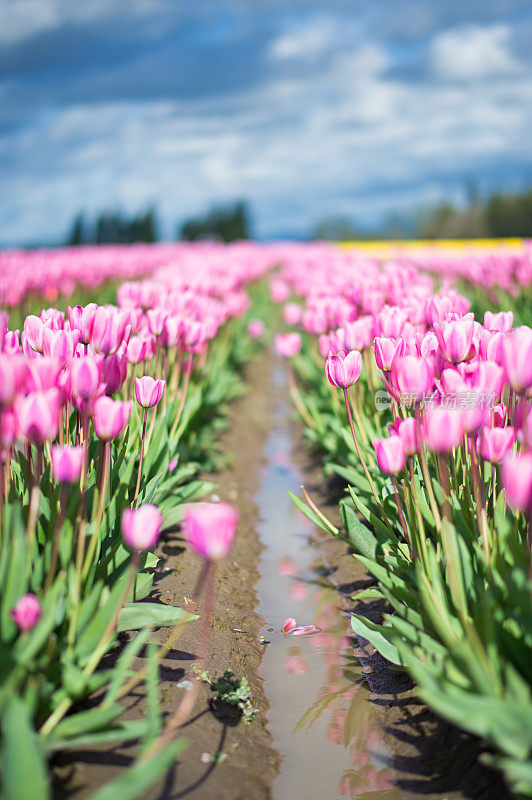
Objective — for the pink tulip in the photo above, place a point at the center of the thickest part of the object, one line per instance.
(456, 339)
(390, 454)
(85, 377)
(34, 332)
(67, 462)
(8, 428)
(156, 319)
(148, 391)
(288, 345)
(386, 350)
(256, 328)
(517, 480)
(413, 376)
(210, 528)
(137, 349)
(292, 313)
(114, 372)
(443, 429)
(496, 443)
(108, 330)
(501, 321)
(110, 417)
(343, 369)
(141, 527)
(27, 612)
(407, 431)
(517, 359)
(38, 416)
(8, 380)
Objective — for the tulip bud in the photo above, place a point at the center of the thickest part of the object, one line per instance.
(148, 391)
(288, 345)
(517, 480)
(443, 429)
(110, 417)
(114, 372)
(34, 332)
(390, 454)
(210, 528)
(407, 431)
(386, 350)
(38, 416)
(27, 612)
(413, 376)
(256, 328)
(495, 443)
(517, 359)
(141, 527)
(67, 463)
(343, 369)
(85, 377)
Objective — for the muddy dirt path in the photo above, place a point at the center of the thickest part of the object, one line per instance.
(362, 734)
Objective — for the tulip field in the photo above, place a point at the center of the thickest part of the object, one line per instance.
(410, 369)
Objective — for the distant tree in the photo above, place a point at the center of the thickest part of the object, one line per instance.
(221, 223)
(335, 229)
(77, 232)
(112, 227)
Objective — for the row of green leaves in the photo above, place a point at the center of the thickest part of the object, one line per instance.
(461, 626)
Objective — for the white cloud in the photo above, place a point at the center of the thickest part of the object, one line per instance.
(349, 137)
(304, 42)
(474, 52)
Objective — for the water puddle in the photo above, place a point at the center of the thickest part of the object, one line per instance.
(321, 718)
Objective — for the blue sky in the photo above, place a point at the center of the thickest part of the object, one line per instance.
(308, 109)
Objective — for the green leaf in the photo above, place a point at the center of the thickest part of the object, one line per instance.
(376, 634)
(311, 515)
(358, 534)
(155, 615)
(23, 767)
(94, 719)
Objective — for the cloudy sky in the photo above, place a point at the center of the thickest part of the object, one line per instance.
(308, 109)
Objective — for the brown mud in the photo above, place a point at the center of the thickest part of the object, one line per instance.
(427, 757)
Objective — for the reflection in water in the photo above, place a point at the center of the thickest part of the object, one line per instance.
(321, 717)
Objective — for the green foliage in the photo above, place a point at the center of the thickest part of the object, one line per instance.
(232, 691)
(460, 620)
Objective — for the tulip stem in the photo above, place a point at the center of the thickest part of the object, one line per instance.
(102, 491)
(184, 392)
(137, 488)
(57, 534)
(425, 470)
(361, 458)
(35, 493)
(421, 535)
(480, 502)
(401, 514)
(355, 404)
